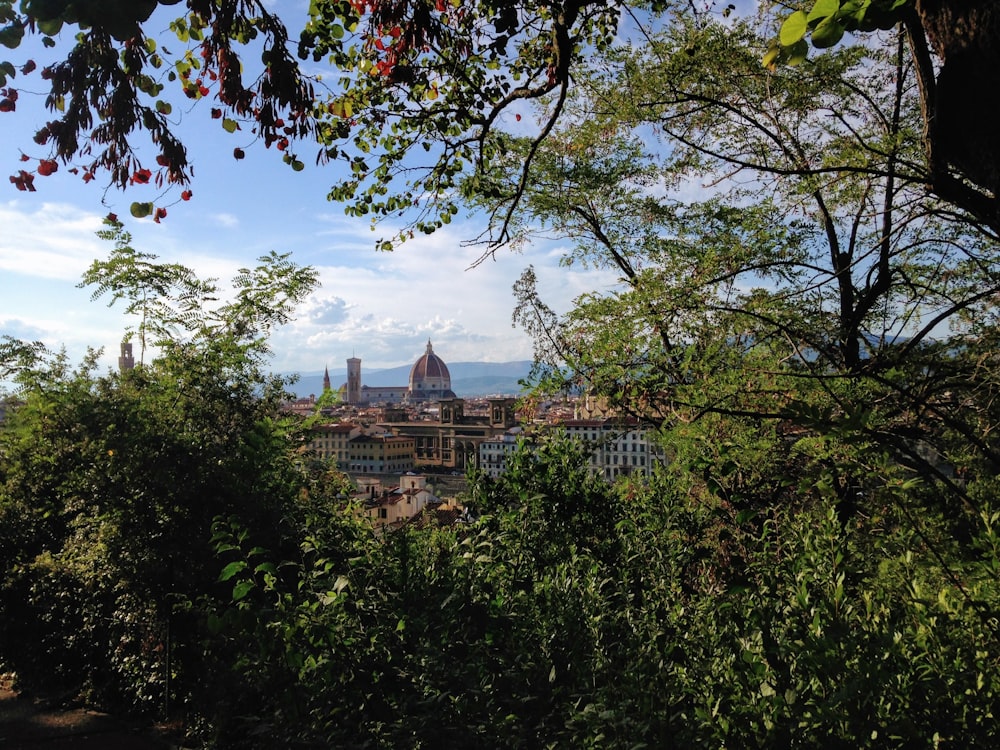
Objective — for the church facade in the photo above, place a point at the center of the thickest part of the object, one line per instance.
(429, 381)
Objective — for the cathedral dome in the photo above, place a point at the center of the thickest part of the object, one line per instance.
(430, 376)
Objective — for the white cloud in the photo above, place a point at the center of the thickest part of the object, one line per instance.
(53, 241)
(382, 307)
(226, 220)
(390, 304)
(20, 329)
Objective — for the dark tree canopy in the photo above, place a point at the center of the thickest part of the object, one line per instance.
(423, 88)
(112, 84)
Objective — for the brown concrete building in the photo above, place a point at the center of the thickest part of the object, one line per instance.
(380, 454)
(332, 442)
(453, 440)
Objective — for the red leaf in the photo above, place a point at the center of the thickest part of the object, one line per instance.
(24, 181)
(186, 195)
(47, 167)
(141, 177)
(238, 153)
(161, 213)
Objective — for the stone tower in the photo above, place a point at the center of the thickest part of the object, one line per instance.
(353, 381)
(126, 361)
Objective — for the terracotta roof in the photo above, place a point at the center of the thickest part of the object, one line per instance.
(341, 428)
(435, 515)
(429, 365)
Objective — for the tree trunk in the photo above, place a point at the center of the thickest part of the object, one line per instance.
(965, 132)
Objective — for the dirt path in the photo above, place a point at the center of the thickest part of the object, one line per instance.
(29, 724)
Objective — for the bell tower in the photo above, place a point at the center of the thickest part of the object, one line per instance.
(354, 380)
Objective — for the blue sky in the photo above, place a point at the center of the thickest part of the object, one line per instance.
(382, 307)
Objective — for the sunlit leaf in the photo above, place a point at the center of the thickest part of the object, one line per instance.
(823, 9)
(793, 29)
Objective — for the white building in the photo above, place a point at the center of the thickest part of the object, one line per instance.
(493, 453)
(393, 506)
(616, 447)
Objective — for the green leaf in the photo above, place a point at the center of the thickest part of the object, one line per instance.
(823, 9)
(11, 36)
(232, 569)
(230, 126)
(241, 589)
(793, 29)
(772, 56)
(827, 33)
(798, 52)
(141, 210)
(50, 27)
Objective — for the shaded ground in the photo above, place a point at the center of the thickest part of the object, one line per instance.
(36, 724)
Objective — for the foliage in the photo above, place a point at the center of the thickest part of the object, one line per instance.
(826, 22)
(817, 564)
(425, 92)
(814, 289)
(177, 310)
(767, 587)
(955, 54)
(327, 398)
(110, 486)
(687, 622)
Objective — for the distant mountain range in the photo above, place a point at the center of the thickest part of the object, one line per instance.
(468, 379)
